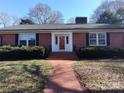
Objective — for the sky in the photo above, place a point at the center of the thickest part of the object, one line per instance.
(69, 8)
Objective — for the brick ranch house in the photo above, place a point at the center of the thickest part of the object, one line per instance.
(63, 37)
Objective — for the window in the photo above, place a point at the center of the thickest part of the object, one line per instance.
(67, 40)
(27, 39)
(102, 38)
(31, 42)
(56, 40)
(97, 39)
(23, 42)
(92, 39)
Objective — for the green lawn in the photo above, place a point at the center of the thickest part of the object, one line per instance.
(24, 76)
(101, 76)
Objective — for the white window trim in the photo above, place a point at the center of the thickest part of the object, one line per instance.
(97, 39)
(27, 39)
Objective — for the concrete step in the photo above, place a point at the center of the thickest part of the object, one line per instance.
(62, 56)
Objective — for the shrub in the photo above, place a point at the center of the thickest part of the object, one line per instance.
(101, 52)
(32, 69)
(23, 52)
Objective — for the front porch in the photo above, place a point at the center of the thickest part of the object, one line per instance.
(62, 42)
(63, 56)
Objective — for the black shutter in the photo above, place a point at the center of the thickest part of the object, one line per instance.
(16, 39)
(87, 39)
(108, 38)
(1, 40)
(37, 39)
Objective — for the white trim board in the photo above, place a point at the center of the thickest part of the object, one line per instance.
(68, 47)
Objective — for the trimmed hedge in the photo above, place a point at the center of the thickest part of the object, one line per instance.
(100, 52)
(23, 52)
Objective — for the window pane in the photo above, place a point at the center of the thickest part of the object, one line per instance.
(56, 40)
(27, 36)
(92, 35)
(93, 42)
(67, 40)
(92, 39)
(101, 39)
(101, 42)
(101, 35)
(23, 42)
(31, 42)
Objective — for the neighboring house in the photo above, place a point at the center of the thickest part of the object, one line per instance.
(64, 37)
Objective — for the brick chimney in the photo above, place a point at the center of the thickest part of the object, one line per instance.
(81, 20)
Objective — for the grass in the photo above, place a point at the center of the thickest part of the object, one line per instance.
(101, 76)
(24, 76)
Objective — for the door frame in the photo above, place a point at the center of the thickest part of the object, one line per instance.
(55, 44)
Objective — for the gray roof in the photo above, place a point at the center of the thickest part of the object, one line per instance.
(62, 27)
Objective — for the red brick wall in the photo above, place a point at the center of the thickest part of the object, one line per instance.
(7, 39)
(79, 39)
(117, 39)
(45, 39)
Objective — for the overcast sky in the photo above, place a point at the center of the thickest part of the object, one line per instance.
(69, 8)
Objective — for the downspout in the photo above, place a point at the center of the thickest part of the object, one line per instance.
(1, 40)
(123, 39)
(122, 29)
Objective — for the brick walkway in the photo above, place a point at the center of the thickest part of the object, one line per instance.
(63, 79)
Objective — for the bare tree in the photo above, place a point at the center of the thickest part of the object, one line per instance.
(56, 17)
(107, 5)
(43, 14)
(15, 20)
(4, 19)
(8, 20)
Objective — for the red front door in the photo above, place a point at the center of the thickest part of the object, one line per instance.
(62, 42)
